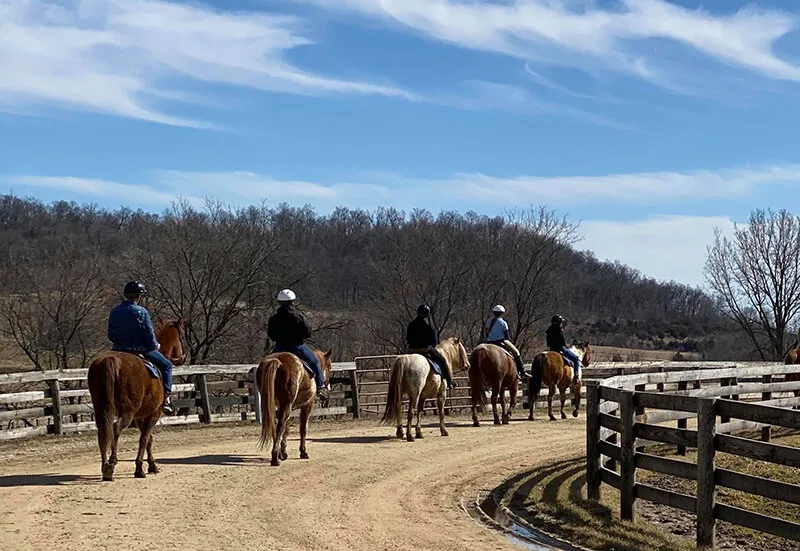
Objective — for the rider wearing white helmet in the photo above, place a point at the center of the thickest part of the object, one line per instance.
(288, 329)
(497, 333)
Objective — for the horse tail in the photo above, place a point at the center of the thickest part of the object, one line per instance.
(476, 382)
(394, 399)
(536, 375)
(103, 377)
(265, 377)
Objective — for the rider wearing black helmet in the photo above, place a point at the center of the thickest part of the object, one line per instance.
(422, 339)
(130, 329)
(557, 343)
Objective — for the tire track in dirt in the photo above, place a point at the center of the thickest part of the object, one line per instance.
(361, 489)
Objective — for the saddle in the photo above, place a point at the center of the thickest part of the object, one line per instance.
(434, 366)
(503, 348)
(154, 371)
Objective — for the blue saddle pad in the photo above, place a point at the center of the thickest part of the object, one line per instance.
(434, 366)
(308, 367)
(151, 368)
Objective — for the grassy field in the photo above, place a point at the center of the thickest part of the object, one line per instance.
(553, 498)
(613, 353)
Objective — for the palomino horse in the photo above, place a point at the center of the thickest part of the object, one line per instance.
(412, 375)
(491, 367)
(549, 368)
(282, 378)
(123, 390)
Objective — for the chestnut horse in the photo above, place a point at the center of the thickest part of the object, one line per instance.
(491, 367)
(550, 368)
(284, 383)
(123, 391)
(793, 358)
(412, 375)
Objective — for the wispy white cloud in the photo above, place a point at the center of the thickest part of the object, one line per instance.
(669, 248)
(591, 37)
(123, 56)
(468, 190)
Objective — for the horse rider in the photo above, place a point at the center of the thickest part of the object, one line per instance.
(497, 333)
(288, 329)
(130, 329)
(557, 343)
(421, 338)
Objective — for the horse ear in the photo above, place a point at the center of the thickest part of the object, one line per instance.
(328, 353)
(179, 323)
(457, 340)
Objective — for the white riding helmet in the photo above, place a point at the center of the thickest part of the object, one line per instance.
(499, 309)
(287, 295)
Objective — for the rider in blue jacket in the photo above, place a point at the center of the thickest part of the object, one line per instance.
(130, 329)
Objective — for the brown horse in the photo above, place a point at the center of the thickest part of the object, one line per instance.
(282, 378)
(491, 367)
(549, 368)
(123, 390)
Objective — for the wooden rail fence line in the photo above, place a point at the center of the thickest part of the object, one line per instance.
(619, 427)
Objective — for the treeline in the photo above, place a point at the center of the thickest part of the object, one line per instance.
(359, 276)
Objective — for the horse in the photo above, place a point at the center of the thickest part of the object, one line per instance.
(550, 368)
(283, 381)
(793, 358)
(123, 391)
(412, 376)
(491, 367)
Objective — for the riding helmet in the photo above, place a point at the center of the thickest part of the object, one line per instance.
(557, 319)
(134, 289)
(287, 295)
(423, 310)
(499, 309)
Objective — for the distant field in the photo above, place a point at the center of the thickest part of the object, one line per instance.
(613, 353)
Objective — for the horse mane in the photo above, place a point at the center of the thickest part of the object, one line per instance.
(451, 350)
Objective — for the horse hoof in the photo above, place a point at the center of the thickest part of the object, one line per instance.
(563, 415)
(409, 437)
(530, 417)
(303, 455)
(139, 474)
(575, 413)
(419, 434)
(475, 423)
(275, 462)
(153, 469)
(283, 456)
(506, 421)
(108, 473)
(497, 421)
(445, 433)
(552, 417)
(400, 434)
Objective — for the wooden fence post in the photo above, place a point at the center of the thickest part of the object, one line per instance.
(256, 395)
(725, 382)
(627, 463)
(682, 423)
(706, 487)
(354, 392)
(766, 432)
(202, 387)
(55, 397)
(593, 481)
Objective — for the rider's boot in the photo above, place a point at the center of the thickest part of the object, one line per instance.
(168, 408)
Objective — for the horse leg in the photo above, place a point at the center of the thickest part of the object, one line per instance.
(120, 424)
(410, 419)
(503, 412)
(495, 392)
(563, 396)
(440, 409)
(284, 411)
(146, 427)
(420, 409)
(144, 437)
(550, 391)
(533, 398)
(283, 455)
(305, 413)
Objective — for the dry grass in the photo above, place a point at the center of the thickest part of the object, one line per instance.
(609, 353)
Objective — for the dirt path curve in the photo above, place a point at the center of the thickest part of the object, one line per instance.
(361, 489)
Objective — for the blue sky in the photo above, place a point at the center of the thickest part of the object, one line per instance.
(651, 122)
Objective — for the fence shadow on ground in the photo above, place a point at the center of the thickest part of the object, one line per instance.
(552, 498)
(216, 460)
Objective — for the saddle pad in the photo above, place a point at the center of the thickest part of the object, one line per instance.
(434, 366)
(151, 368)
(308, 367)
(507, 353)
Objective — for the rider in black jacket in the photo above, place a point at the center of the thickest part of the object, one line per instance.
(558, 343)
(422, 339)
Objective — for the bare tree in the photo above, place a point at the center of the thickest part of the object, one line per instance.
(53, 316)
(755, 276)
(212, 267)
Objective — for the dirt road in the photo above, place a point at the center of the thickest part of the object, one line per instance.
(361, 489)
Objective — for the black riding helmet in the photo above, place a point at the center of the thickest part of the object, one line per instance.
(134, 289)
(423, 310)
(557, 319)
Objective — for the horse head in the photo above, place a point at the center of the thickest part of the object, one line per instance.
(170, 336)
(456, 355)
(325, 363)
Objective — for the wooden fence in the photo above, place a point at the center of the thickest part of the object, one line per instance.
(58, 402)
(627, 413)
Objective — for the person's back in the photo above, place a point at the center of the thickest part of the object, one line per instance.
(496, 329)
(287, 326)
(130, 328)
(420, 334)
(556, 341)
(497, 333)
